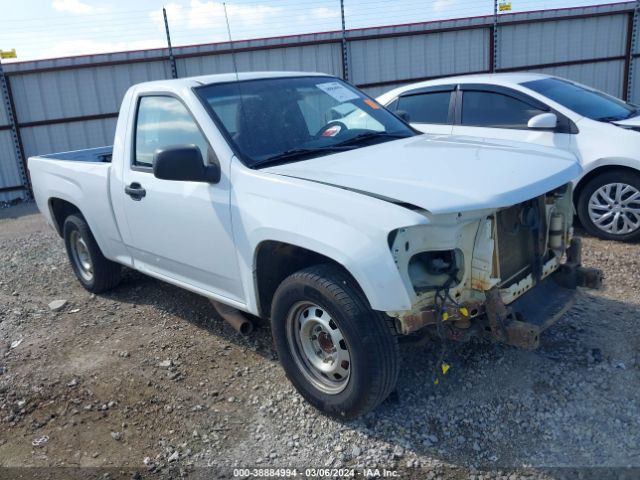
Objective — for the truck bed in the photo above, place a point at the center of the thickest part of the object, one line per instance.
(99, 154)
(81, 178)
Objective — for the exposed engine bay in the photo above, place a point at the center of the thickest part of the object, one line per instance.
(486, 270)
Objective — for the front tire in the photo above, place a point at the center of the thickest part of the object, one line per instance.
(339, 354)
(609, 206)
(95, 272)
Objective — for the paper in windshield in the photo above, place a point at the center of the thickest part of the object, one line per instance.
(338, 91)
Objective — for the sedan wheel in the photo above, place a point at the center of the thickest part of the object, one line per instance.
(609, 205)
(615, 208)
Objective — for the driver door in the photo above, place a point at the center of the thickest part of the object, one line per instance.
(178, 230)
(501, 113)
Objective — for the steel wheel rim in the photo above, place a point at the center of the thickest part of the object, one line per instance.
(614, 208)
(81, 256)
(318, 347)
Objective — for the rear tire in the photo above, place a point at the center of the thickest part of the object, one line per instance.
(95, 272)
(605, 201)
(339, 354)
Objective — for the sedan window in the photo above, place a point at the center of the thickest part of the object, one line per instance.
(489, 109)
(584, 101)
(426, 107)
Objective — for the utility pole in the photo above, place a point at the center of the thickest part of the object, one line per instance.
(345, 52)
(15, 134)
(172, 59)
(494, 46)
(634, 49)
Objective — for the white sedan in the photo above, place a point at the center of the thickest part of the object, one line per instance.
(601, 130)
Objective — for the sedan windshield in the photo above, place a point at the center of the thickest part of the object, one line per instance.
(277, 120)
(584, 101)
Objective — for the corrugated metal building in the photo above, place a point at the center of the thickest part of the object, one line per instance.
(71, 103)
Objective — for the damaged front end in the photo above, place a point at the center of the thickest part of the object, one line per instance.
(506, 274)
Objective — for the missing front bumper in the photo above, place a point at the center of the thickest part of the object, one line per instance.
(521, 323)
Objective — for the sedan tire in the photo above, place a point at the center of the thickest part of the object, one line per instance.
(609, 206)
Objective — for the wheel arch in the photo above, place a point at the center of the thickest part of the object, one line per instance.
(60, 209)
(599, 170)
(276, 260)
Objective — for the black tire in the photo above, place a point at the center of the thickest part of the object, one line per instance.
(370, 338)
(105, 273)
(613, 176)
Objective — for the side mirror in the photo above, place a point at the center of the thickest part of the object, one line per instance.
(183, 163)
(544, 121)
(403, 115)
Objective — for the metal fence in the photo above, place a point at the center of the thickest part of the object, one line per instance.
(72, 103)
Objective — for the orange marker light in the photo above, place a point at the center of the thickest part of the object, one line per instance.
(372, 104)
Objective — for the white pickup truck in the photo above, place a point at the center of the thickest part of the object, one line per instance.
(347, 231)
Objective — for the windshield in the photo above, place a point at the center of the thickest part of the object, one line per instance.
(276, 120)
(584, 101)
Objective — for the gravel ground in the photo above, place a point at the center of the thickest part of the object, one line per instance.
(146, 382)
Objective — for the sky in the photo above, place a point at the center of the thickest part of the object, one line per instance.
(57, 28)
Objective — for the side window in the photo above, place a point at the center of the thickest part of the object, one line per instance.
(426, 107)
(488, 109)
(164, 121)
(393, 106)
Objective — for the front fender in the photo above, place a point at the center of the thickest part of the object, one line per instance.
(368, 260)
(347, 227)
(609, 162)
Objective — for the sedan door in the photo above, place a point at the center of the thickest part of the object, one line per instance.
(429, 109)
(498, 112)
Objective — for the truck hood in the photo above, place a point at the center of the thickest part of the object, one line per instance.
(442, 174)
(629, 122)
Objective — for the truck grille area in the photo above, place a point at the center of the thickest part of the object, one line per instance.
(520, 234)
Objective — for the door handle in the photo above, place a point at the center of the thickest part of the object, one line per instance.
(135, 191)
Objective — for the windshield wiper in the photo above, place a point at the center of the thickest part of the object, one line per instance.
(295, 153)
(617, 118)
(633, 113)
(612, 118)
(371, 135)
